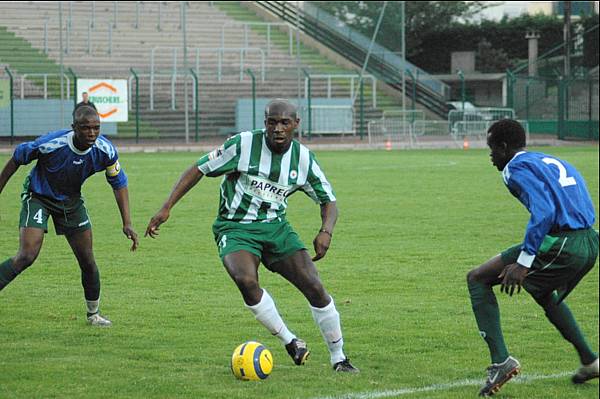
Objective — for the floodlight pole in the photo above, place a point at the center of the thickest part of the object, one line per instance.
(365, 63)
(403, 49)
(461, 75)
(12, 108)
(567, 38)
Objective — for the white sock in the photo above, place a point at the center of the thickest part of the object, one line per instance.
(328, 320)
(266, 313)
(92, 306)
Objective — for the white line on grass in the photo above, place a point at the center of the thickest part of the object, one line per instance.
(440, 387)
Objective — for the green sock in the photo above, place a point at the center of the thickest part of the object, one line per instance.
(487, 315)
(7, 273)
(91, 284)
(560, 315)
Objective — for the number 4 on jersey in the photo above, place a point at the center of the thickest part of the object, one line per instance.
(39, 216)
(563, 179)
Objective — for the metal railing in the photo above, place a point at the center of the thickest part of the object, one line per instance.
(332, 33)
(268, 25)
(219, 51)
(25, 76)
(350, 77)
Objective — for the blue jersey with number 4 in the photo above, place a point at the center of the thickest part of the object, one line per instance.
(553, 192)
(61, 168)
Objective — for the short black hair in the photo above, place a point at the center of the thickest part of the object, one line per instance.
(84, 111)
(281, 105)
(507, 131)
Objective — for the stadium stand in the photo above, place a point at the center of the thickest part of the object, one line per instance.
(106, 39)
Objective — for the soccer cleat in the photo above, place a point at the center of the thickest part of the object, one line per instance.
(345, 367)
(585, 373)
(298, 351)
(98, 321)
(499, 374)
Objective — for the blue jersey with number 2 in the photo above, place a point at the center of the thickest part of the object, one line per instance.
(62, 168)
(553, 192)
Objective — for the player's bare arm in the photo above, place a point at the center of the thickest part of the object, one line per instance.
(122, 198)
(9, 169)
(188, 179)
(322, 241)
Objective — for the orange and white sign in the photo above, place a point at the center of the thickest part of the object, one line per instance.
(108, 95)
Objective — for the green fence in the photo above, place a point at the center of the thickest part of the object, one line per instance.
(567, 107)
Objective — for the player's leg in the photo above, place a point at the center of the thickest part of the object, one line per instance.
(242, 267)
(30, 243)
(485, 306)
(299, 269)
(487, 314)
(33, 223)
(565, 263)
(81, 243)
(561, 317)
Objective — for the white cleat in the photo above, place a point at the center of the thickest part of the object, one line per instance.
(98, 321)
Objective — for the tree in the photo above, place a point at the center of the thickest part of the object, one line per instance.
(422, 18)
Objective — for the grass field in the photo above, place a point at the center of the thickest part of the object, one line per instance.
(412, 224)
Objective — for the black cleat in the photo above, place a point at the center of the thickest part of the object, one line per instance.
(345, 367)
(298, 351)
(499, 374)
(585, 373)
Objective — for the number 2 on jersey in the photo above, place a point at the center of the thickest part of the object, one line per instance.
(563, 179)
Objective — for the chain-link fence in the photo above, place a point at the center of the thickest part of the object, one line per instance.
(567, 107)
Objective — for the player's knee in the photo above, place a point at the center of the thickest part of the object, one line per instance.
(23, 260)
(316, 295)
(88, 266)
(247, 284)
(472, 276)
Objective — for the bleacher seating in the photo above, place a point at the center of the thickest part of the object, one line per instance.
(110, 48)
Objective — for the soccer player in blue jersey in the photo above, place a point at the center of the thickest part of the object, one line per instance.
(66, 158)
(560, 247)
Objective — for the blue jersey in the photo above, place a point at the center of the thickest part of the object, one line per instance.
(61, 168)
(553, 192)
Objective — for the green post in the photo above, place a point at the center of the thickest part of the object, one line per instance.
(197, 107)
(308, 94)
(561, 108)
(70, 70)
(413, 95)
(249, 72)
(590, 108)
(137, 105)
(462, 88)
(527, 99)
(362, 108)
(509, 89)
(12, 107)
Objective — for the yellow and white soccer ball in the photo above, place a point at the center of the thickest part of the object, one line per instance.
(251, 361)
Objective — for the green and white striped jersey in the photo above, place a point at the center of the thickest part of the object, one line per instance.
(257, 182)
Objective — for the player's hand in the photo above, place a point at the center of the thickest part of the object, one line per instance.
(512, 275)
(132, 235)
(153, 227)
(321, 244)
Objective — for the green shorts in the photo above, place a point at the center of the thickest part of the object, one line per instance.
(68, 216)
(271, 242)
(563, 260)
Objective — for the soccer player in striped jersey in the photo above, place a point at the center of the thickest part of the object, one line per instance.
(65, 159)
(260, 170)
(560, 247)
